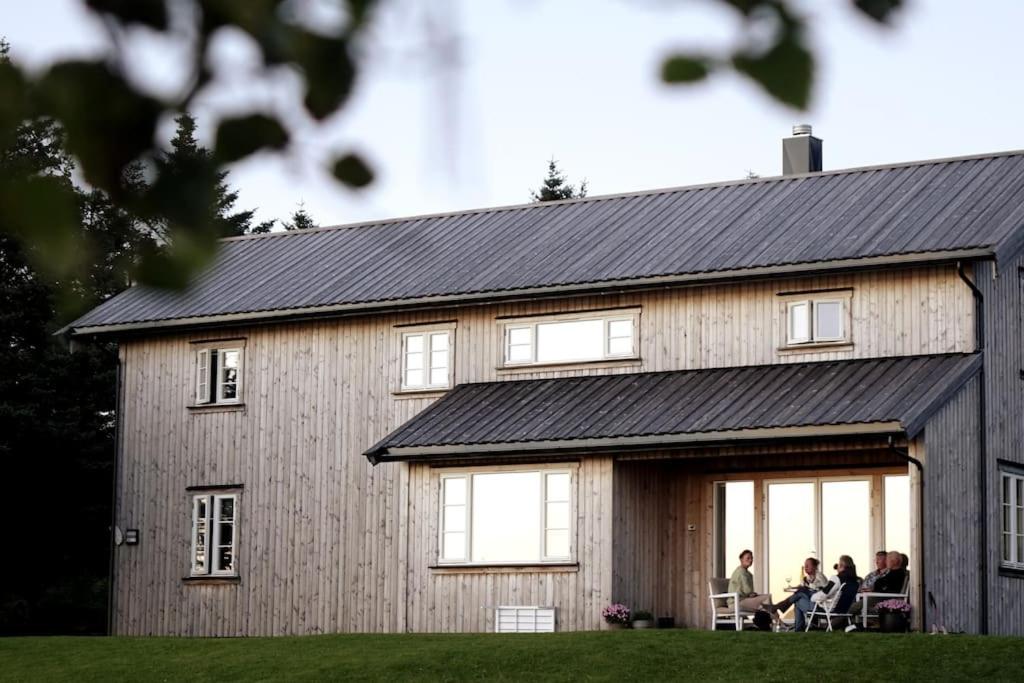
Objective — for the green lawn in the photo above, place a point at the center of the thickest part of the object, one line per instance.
(563, 657)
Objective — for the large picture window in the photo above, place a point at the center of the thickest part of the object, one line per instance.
(219, 375)
(214, 534)
(578, 338)
(506, 517)
(1012, 499)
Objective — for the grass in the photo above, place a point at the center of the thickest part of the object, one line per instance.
(558, 657)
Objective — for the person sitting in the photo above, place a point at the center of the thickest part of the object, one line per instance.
(813, 581)
(891, 582)
(846, 582)
(742, 583)
(881, 569)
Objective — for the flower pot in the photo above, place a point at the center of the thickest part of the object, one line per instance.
(616, 626)
(644, 623)
(893, 622)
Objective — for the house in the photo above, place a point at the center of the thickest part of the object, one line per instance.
(401, 425)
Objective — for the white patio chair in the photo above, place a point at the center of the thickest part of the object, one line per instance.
(868, 596)
(824, 609)
(721, 611)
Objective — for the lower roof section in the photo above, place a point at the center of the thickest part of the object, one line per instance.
(663, 409)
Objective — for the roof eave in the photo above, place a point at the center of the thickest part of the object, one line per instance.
(338, 310)
(380, 454)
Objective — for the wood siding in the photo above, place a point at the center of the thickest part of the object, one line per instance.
(1004, 406)
(327, 542)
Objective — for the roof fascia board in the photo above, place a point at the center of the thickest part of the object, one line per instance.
(813, 431)
(920, 258)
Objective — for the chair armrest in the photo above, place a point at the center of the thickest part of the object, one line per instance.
(724, 595)
(869, 594)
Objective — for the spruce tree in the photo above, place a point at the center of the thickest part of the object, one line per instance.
(556, 186)
(300, 220)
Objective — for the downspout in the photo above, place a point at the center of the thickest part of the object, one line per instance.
(118, 416)
(906, 456)
(979, 319)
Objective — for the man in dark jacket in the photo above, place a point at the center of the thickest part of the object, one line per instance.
(892, 582)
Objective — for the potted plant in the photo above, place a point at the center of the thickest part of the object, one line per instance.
(616, 616)
(894, 616)
(643, 619)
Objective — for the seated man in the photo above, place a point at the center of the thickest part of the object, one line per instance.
(881, 569)
(891, 582)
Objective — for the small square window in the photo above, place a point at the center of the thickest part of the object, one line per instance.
(426, 360)
(816, 320)
(218, 375)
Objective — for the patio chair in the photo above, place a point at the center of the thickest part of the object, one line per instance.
(867, 598)
(721, 611)
(824, 609)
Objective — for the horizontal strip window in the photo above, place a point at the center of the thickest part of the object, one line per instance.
(571, 339)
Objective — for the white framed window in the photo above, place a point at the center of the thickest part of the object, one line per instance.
(506, 517)
(1012, 504)
(214, 534)
(817, 320)
(572, 338)
(427, 360)
(219, 375)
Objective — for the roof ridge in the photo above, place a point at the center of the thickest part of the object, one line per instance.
(622, 195)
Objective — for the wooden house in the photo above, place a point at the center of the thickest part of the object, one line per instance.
(402, 425)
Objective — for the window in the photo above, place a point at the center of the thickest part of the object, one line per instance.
(816, 321)
(218, 375)
(577, 339)
(504, 517)
(214, 537)
(426, 360)
(1013, 519)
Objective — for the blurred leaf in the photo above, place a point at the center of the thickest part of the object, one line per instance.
(172, 266)
(152, 13)
(353, 171)
(329, 70)
(238, 138)
(42, 213)
(786, 69)
(108, 124)
(13, 102)
(684, 69)
(879, 10)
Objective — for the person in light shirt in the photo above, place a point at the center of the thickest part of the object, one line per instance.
(813, 581)
(742, 583)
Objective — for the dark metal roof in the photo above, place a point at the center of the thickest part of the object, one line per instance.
(919, 209)
(894, 395)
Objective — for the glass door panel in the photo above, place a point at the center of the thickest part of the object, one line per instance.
(897, 514)
(846, 523)
(791, 533)
(734, 522)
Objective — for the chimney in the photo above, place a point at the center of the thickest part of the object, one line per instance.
(802, 152)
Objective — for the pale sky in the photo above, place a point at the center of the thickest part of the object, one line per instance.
(577, 80)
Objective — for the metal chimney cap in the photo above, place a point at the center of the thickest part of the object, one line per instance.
(802, 129)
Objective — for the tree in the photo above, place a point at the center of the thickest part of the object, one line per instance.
(117, 128)
(556, 186)
(300, 220)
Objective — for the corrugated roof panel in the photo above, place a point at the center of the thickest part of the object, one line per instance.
(967, 203)
(896, 390)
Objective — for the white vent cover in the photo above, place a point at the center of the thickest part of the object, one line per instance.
(514, 619)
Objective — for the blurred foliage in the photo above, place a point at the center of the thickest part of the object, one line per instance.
(110, 121)
(556, 186)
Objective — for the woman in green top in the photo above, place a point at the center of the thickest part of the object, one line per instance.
(742, 582)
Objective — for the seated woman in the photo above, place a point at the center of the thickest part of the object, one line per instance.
(813, 581)
(742, 582)
(847, 581)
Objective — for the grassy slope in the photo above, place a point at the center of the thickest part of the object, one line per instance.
(563, 656)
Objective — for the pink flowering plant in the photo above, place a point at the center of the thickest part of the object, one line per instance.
(895, 605)
(616, 614)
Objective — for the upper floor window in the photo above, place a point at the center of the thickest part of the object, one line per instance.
(817, 318)
(219, 374)
(1012, 555)
(427, 359)
(506, 516)
(214, 534)
(573, 338)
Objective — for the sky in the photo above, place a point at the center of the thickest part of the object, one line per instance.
(468, 115)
